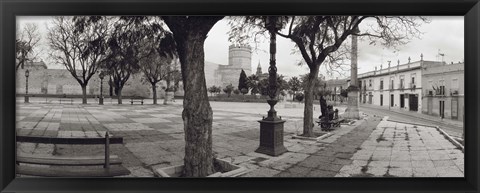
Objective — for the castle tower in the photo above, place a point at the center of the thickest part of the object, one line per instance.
(240, 56)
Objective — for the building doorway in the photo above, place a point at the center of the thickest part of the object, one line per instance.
(413, 102)
(370, 99)
(455, 108)
(381, 100)
(402, 101)
(430, 105)
(391, 100)
(442, 109)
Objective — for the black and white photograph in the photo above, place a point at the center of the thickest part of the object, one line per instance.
(322, 96)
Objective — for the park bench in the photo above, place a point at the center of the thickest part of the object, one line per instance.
(136, 100)
(112, 165)
(71, 100)
(330, 121)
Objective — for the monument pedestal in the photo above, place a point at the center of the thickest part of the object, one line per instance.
(271, 137)
(271, 133)
(352, 111)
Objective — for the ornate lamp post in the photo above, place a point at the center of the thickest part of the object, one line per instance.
(271, 127)
(27, 74)
(100, 100)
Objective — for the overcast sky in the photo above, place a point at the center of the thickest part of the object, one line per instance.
(444, 34)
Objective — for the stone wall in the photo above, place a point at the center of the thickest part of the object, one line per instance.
(60, 81)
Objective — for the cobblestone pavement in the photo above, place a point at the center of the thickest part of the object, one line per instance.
(153, 136)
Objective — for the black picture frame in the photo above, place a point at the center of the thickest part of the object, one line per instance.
(9, 9)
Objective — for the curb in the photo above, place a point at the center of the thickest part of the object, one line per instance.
(328, 134)
(449, 138)
(423, 118)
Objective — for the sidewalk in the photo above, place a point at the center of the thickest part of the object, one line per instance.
(454, 123)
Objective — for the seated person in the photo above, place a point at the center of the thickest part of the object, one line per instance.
(330, 112)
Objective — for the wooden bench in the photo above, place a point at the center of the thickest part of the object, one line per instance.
(71, 101)
(136, 100)
(112, 165)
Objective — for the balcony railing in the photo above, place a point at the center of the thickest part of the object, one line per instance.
(440, 92)
(454, 92)
(429, 92)
(413, 86)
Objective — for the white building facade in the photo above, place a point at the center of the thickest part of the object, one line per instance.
(398, 86)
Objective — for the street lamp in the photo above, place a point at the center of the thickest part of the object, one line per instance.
(100, 100)
(271, 127)
(27, 74)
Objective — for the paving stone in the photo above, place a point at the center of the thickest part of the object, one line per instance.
(401, 172)
(311, 162)
(343, 161)
(321, 173)
(449, 171)
(401, 164)
(377, 171)
(283, 174)
(351, 169)
(379, 163)
(330, 167)
(263, 172)
(299, 170)
(422, 164)
(443, 163)
(359, 162)
(425, 172)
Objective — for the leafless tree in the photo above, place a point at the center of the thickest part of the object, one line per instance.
(27, 40)
(79, 47)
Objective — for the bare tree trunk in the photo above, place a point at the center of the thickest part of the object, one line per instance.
(84, 94)
(165, 99)
(190, 34)
(308, 110)
(197, 113)
(119, 95)
(154, 90)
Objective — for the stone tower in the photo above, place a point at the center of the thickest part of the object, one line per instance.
(259, 69)
(240, 56)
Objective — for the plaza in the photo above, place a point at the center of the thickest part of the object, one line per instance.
(154, 138)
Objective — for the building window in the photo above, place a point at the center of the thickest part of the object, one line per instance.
(381, 84)
(441, 90)
(454, 87)
(402, 82)
(412, 82)
(391, 84)
(370, 83)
